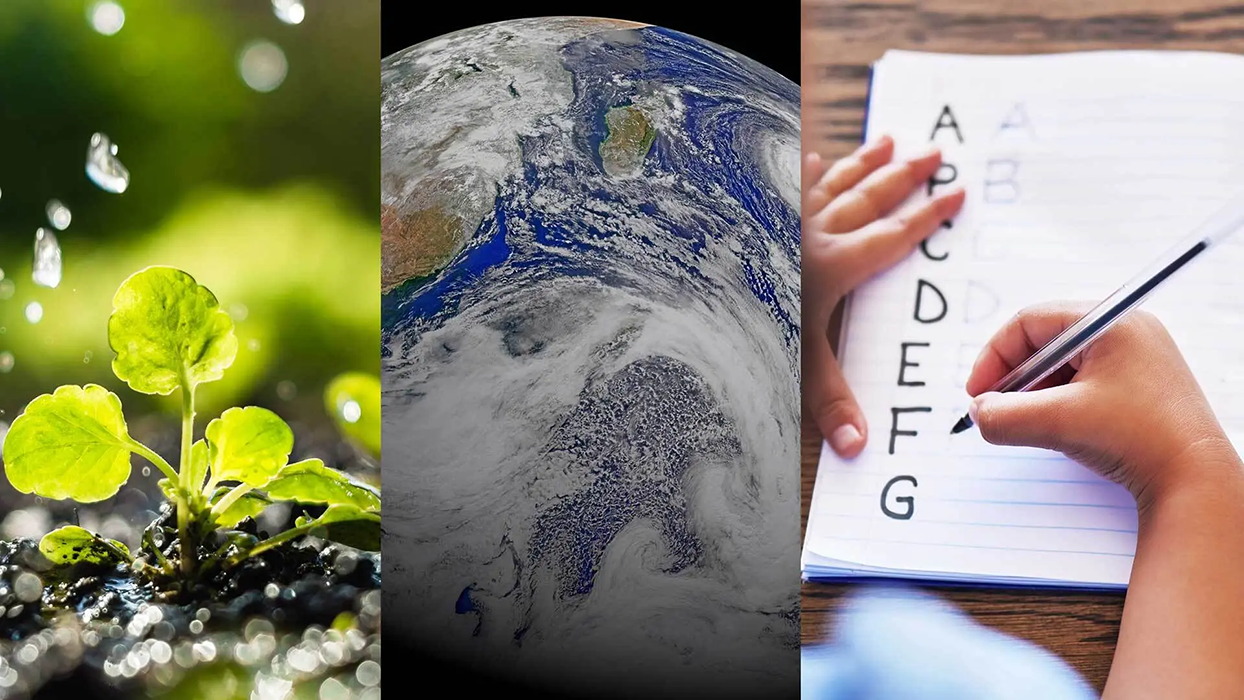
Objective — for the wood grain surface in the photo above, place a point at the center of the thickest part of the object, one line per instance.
(840, 41)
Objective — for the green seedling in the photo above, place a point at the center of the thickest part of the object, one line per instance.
(170, 334)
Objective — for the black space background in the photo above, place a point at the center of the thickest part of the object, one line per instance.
(767, 34)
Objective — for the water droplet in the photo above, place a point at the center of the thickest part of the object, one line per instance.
(27, 587)
(289, 11)
(146, 470)
(47, 267)
(103, 167)
(106, 17)
(161, 652)
(368, 673)
(7, 288)
(196, 627)
(351, 411)
(272, 688)
(253, 345)
(86, 359)
(238, 312)
(34, 312)
(25, 522)
(262, 66)
(287, 390)
(58, 215)
(6, 361)
(333, 689)
(346, 563)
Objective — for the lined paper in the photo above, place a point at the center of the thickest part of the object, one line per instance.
(1080, 169)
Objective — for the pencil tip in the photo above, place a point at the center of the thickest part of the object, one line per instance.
(963, 424)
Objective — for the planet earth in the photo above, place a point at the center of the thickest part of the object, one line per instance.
(590, 333)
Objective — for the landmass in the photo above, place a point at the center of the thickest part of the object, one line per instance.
(417, 243)
(630, 135)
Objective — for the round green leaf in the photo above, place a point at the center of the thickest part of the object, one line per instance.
(74, 545)
(309, 481)
(353, 400)
(249, 445)
(71, 443)
(168, 330)
(348, 525)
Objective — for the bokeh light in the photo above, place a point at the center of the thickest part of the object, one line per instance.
(106, 17)
(262, 66)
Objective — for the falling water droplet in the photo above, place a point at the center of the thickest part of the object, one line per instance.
(86, 359)
(34, 312)
(262, 66)
(7, 288)
(6, 361)
(103, 167)
(47, 267)
(289, 11)
(253, 345)
(59, 215)
(286, 389)
(106, 17)
(146, 470)
(351, 411)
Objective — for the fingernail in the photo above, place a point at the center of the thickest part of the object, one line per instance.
(946, 201)
(975, 407)
(844, 437)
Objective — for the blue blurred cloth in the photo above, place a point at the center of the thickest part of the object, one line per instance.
(893, 643)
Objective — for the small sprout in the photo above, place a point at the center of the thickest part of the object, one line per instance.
(71, 545)
(169, 333)
(353, 400)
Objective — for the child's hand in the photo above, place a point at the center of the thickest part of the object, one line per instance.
(849, 235)
(1127, 406)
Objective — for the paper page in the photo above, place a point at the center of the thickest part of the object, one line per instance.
(1080, 169)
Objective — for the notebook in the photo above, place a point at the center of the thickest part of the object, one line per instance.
(1080, 170)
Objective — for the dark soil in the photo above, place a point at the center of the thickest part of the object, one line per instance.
(300, 620)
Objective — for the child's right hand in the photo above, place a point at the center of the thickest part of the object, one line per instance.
(1127, 406)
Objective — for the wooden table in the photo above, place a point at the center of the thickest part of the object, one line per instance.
(840, 40)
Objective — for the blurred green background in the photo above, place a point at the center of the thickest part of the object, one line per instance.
(267, 198)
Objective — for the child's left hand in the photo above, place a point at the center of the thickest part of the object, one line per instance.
(849, 235)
